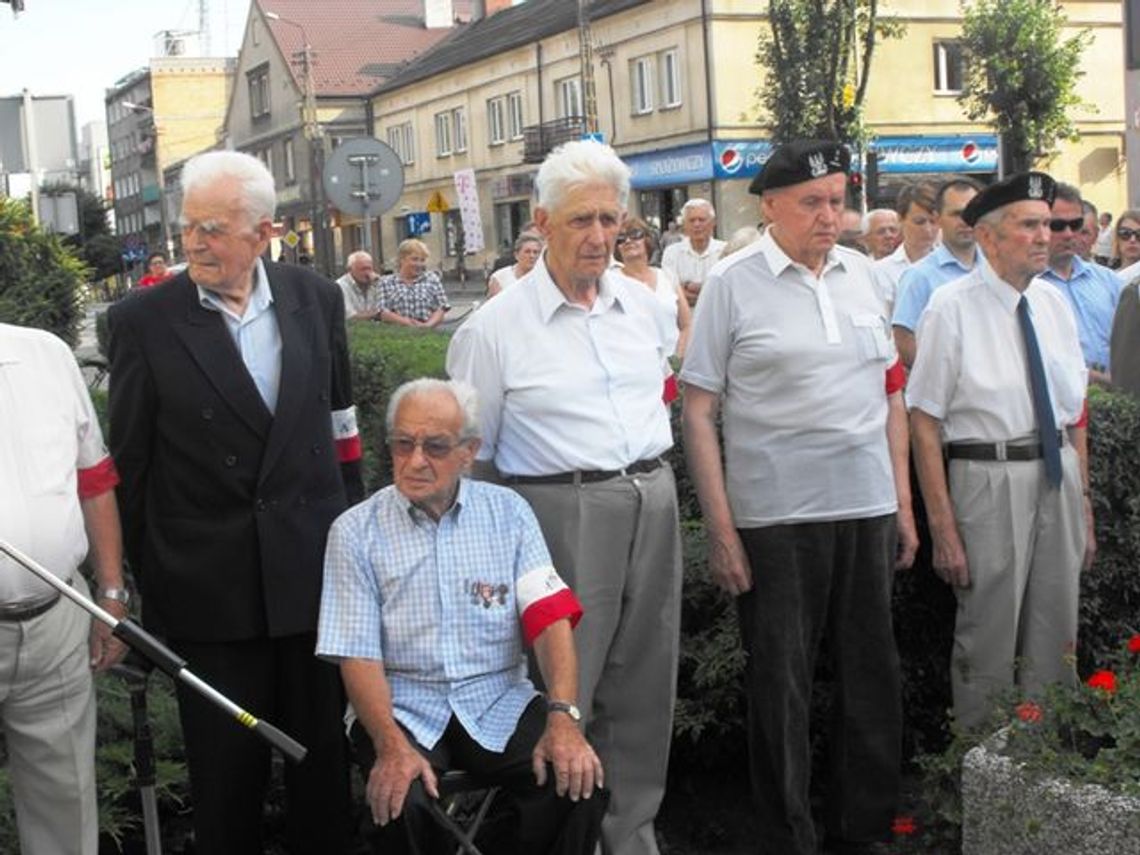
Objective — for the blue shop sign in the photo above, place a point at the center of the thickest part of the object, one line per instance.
(739, 158)
(953, 153)
(682, 165)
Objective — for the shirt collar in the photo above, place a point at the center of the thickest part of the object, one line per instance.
(1005, 293)
(259, 299)
(418, 517)
(708, 249)
(779, 261)
(943, 257)
(551, 298)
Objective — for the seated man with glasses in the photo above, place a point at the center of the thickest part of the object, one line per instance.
(433, 587)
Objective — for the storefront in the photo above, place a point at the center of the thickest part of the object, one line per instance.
(663, 181)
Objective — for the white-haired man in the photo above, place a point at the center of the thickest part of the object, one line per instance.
(231, 408)
(433, 589)
(691, 257)
(569, 369)
(882, 233)
(358, 287)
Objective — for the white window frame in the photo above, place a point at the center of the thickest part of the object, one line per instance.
(409, 143)
(515, 121)
(443, 134)
(669, 64)
(641, 85)
(459, 129)
(290, 161)
(496, 126)
(570, 97)
(258, 83)
(942, 66)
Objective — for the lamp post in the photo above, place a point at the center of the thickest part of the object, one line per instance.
(315, 134)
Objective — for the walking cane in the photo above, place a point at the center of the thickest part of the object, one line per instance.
(135, 675)
(163, 657)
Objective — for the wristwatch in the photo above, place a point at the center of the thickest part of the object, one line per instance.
(119, 595)
(564, 707)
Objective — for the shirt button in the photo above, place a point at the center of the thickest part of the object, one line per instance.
(207, 413)
(231, 459)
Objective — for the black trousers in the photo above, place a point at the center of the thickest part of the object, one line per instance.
(282, 682)
(812, 580)
(543, 822)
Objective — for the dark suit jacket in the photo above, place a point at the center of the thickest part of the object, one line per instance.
(226, 506)
(1124, 345)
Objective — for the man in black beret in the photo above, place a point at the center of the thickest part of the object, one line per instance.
(998, 391)
(810, 514)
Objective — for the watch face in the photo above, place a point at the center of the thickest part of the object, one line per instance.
(563, 707)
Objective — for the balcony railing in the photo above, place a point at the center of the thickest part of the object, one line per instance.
(540, 140)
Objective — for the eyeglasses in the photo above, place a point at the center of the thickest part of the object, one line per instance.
(1128, 234)
(633, 234)
(435, 447)
(1073, 225)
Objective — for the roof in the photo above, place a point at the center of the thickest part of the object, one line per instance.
(356, 43)
(510, 28)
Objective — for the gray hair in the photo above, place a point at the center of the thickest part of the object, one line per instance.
(580, 162)
(355, 257)
(528, 237)
(870, 215)
(697, 202)
(463, 393)
(259, 195)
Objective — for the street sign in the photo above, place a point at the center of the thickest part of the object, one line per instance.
(437, 204)
(596, 136)
(291, 239)
(364, 177)
(419, 222)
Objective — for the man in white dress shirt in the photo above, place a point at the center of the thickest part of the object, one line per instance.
(810, 514)
(692, 256)
(919, 225)
(569, 368)
(998, 390)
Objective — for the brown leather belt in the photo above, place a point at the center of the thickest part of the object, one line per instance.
(588, 476)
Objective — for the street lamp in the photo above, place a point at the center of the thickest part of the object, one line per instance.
(314, 133)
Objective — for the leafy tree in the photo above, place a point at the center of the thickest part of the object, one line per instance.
(95, 244)
(818, 61)
(40, 279)
(1021, 75)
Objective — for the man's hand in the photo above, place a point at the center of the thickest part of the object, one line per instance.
(105, 650)
(728, 564)
(392, 774)
(1090, 538)
(692, 291)
(907, 540)
(950, 558)
(577, 769)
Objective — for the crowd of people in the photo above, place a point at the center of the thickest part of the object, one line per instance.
(510, 605)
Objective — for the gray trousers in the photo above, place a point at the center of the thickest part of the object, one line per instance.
(617, 544)
(1025, 542)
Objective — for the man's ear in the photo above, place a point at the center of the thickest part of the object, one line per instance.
(542, 222)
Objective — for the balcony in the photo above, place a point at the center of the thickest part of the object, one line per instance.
(540, 140)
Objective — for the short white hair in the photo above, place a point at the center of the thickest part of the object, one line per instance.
(876, 212)
(259, 195)
(463, 393)
(354, 257)
(580, 162)
(697, 202)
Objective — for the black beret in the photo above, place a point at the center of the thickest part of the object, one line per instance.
(799, 161)
(1017, 188)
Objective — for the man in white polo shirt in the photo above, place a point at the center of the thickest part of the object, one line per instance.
(998, 390)
(810, 514)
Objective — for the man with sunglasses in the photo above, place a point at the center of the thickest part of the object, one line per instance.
(569, 369)
(433, 589)
(1091, 289)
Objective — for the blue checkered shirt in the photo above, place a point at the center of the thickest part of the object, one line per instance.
(435, 602)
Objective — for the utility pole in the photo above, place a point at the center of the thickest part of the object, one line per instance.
(586, 50)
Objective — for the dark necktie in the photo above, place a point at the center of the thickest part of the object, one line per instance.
(1042, 406)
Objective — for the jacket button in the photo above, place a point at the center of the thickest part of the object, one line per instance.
(260, 505)
(207, 413)
(324, 396)
(231, 459)
(316, 449)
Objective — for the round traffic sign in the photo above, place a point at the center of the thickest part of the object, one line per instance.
(363, 176)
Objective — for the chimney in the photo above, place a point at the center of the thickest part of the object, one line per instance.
(494, 6)
(438, 14)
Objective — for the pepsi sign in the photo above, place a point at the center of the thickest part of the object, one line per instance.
(739, 158)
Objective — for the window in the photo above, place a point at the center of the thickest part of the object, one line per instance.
(515, 115)
(266, 157)
(949, 67)
(290, 161)
(459, 128)
(258, 81)
(402, 141)
(442, 134)
(569, 97)
(670, 70)
(496, 131)
(641, 85)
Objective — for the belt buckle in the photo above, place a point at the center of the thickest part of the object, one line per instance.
(1000, 452)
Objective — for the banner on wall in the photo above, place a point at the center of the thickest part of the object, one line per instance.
(468, 192)
(951, 153)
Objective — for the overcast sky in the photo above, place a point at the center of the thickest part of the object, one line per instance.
(81, 47)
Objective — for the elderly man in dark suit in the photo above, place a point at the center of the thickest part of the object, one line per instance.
(230, 410)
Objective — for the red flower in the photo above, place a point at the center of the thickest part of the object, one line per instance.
(1103, 680)
(1134, 644)
(1028, 712)
(904, 825)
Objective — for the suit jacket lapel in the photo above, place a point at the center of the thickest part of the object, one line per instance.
(205, 336)
(294, 319)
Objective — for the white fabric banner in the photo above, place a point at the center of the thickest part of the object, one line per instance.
(468, 193)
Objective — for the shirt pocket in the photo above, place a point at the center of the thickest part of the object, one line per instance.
(871, 336)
